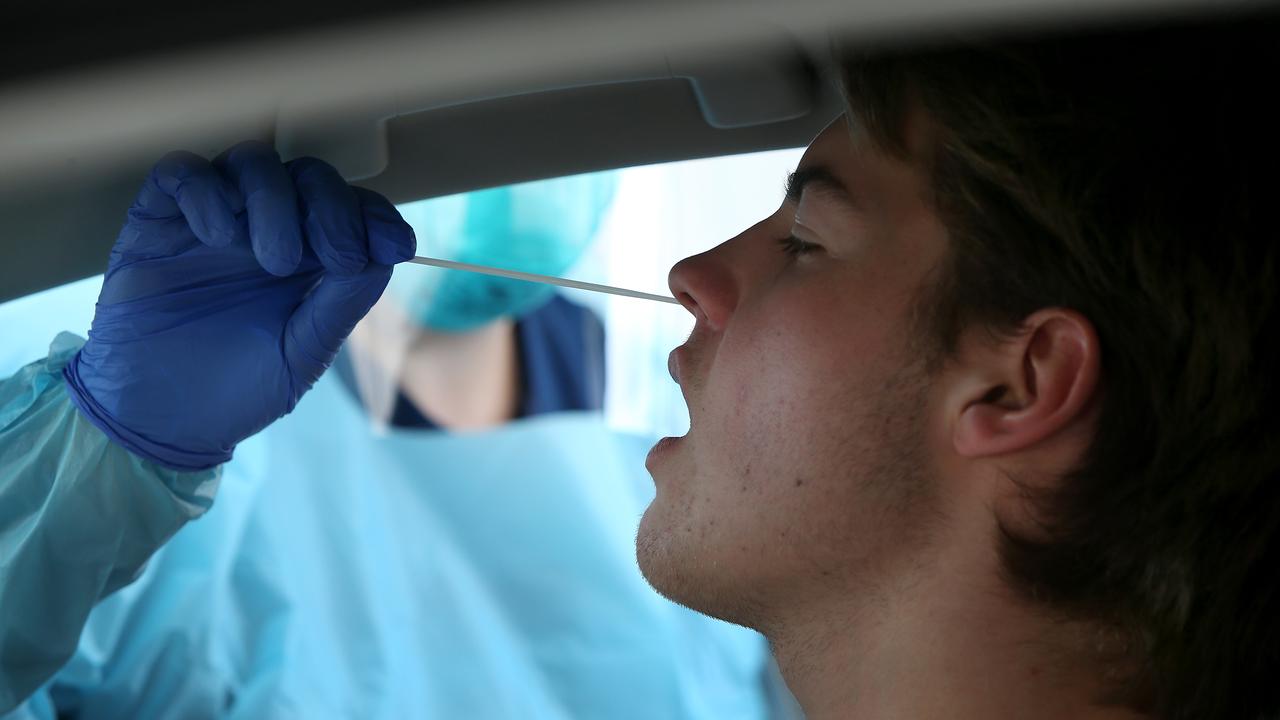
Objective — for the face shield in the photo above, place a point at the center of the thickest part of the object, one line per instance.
(539, 227)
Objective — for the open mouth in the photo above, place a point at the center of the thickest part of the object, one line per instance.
(678, 366)
(668, 444)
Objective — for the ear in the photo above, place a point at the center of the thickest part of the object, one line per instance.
(1029, 387)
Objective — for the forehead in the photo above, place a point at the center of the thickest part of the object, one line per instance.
(833, 149)
(873, 178)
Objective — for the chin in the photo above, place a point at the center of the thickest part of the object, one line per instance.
(681, 565)
(650, 553)
(661, 561)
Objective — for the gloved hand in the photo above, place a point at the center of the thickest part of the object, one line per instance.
(227, 294)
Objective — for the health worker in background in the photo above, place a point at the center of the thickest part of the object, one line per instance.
(361, 559)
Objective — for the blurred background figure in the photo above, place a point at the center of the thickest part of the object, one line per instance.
(443, 527)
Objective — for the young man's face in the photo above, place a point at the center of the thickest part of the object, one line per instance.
(807, 467)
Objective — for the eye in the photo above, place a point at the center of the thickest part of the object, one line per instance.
(795, 247)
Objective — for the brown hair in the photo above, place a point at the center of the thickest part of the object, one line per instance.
(1129, 175)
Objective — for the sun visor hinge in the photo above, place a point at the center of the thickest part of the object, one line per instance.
(768, 88)
(355, 143)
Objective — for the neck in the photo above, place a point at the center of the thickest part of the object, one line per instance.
(943, 644)
(461, 381)
(465, 381)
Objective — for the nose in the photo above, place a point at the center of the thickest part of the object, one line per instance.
(705, 285)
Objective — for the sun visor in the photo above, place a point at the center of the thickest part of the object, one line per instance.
(731, 90)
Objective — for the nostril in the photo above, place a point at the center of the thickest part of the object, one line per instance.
(691, 305)
(704, 285)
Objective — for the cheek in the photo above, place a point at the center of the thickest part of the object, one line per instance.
(784, 389)
(789, 420)
(790, 367)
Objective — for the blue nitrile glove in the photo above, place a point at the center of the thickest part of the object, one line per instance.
(229, 291)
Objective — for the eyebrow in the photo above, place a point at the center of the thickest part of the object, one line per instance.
(820, 179)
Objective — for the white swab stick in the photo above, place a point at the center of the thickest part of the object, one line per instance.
(548, 279)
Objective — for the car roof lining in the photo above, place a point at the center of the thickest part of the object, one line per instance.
(438, 102)
(453, 149)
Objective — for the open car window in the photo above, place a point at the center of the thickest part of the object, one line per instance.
(649, 217)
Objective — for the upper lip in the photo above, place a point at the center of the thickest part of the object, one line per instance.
(677, 362)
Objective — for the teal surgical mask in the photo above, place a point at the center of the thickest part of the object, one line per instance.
(539, 227)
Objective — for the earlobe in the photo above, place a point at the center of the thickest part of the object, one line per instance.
(1038, 383)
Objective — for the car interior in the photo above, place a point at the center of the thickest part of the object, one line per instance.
(424, 100)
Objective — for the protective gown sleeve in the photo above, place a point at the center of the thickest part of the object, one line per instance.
(79, 517)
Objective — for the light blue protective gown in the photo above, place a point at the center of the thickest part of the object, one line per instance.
(347, 573)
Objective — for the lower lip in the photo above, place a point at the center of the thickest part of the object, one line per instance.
(662, 447)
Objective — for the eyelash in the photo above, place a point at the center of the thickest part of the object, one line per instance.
(795, 247)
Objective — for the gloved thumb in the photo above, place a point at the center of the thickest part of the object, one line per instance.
(325, 318)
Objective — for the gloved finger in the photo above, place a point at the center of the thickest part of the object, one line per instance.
(325, 318)
(186, 185)
(391, 239)
(275, 230)
(331, 216)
